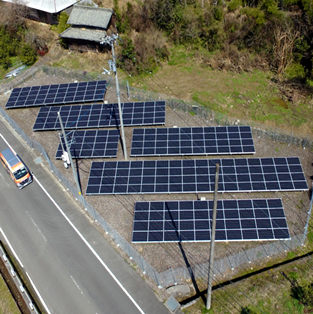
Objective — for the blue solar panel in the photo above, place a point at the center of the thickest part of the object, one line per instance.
(196, 176)
(91, 143)
(100, 115)
(57, 94)
(192, 141)
(189, 221)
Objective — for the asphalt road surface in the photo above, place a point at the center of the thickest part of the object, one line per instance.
(71, 265)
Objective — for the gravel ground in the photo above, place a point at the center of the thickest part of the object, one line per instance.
(118, 210)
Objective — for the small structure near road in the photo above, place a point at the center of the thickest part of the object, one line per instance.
(89, 26)
(15, 72)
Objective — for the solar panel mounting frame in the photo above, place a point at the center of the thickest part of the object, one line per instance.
(189, 221)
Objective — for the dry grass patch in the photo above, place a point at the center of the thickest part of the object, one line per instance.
(7, 303)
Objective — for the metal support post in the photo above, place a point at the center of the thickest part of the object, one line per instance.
(119, 103)
(128, 92)
(308, 219)
(63, 149)
(70, 156)
(213, 228)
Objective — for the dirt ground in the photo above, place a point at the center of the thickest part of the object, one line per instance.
(119, 212)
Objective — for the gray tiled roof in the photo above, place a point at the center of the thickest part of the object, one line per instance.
(90, 16)
(50, 6)
(84, 34)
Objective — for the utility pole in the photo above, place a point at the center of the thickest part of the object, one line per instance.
(209, 293)
(119, 103)
(69, 155)
(110, 41)
(62, 146)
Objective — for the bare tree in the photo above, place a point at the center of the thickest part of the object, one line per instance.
(13, 15)
(284, 40)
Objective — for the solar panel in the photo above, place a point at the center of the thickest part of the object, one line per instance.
(188, 221)
(192, 141)
(43, 95)
(196, 176)
(100, 115)
(91, 143)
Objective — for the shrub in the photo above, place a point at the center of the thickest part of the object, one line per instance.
(303, 294)
(246, 310)
(144, 53)
(62, 25)
(127, 56)
(234, 5)
(256, 14)
(28, 55)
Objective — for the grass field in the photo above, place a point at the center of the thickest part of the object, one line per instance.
(264, 293)
(7, 303)
(250, 96)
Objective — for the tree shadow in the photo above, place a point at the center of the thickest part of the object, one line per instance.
(298, 292)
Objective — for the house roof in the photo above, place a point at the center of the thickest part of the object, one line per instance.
(90, 16)
(84, 34)
(50, 6)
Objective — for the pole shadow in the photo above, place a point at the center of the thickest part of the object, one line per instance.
(188, 265)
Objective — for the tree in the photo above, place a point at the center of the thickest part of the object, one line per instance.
(284, 42)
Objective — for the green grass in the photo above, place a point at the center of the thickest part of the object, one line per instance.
(269, 292)
(180, 56)
(248, 96)
(69, 63)
(7, 303)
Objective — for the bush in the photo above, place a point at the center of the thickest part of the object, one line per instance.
(62, 25)
(234, 5)
(28, 55)
(246, 310)
(127, 56)
(144, 53)
(303, 294)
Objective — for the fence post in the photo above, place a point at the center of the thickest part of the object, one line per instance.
(308, 219)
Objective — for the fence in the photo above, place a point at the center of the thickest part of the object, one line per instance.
(173, 276)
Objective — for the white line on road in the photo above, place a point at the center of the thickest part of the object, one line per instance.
(8, 143)
(84, 240)
(90, 247)
(76, 284)
(36, 226)
(38, 294)
(11, 248)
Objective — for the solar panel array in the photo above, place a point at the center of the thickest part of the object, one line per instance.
(237, 220)
(56, 94)
(193, 176)
(192, 141)
(91, 143)
(100, 115)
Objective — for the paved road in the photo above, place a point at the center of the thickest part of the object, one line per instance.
(68, 275)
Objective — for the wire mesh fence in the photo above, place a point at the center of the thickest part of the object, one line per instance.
(178, 275)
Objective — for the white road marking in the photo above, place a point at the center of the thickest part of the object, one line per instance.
(8, 143)
(90, 247)
(76, 284)
(38, 294)
(11, 248)
(36, 226)
(5, 180)
(84, 240)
